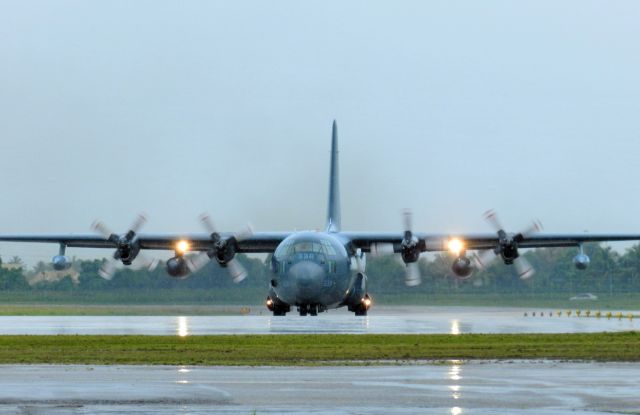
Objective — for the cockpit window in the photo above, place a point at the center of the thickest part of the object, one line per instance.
(296, 247)
(305, 246)
(329, 249)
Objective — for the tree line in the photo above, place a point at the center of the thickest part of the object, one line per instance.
(609, 272)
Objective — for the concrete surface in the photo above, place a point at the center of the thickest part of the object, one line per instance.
(455, 388)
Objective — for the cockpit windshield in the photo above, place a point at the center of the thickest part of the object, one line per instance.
(297, 247)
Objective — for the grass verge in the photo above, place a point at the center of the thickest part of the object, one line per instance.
(322, 349)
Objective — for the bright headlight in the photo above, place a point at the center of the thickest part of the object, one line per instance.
(456, 246)
(182, 247)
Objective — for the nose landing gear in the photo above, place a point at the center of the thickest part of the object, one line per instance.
(310, 309)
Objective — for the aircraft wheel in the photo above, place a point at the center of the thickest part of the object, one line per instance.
(360, 310)
(303, 310)
(313, 310)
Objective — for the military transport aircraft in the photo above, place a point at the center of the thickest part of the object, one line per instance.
(315, 271)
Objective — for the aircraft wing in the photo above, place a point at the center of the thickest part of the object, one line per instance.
(266, 242)
(478, 241)
(259, 242)
(546, 240)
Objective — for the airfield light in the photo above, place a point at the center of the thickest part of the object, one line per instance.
(182, 247)
(456, 246)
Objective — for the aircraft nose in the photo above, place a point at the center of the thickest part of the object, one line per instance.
(308, 277)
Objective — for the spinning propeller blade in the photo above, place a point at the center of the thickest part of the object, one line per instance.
(126, 247)
(412, 277)
(222, 249)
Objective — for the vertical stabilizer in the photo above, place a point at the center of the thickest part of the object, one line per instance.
(333, 214)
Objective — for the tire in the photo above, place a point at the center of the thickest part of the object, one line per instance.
(361, 312)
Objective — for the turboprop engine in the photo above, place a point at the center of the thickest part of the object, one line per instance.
(462, 268)
(177, 267)
(581, 261)
(60, 262)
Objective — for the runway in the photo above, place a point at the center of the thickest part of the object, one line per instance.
(454, 388)
(453, 320)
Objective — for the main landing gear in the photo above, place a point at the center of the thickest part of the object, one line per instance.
(361, 308)
(277, 307)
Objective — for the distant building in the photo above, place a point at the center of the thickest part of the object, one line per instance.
(12, 265)
(54, 276)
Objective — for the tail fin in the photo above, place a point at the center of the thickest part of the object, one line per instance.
(333, 214)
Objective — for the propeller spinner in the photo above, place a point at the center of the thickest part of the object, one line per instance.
(223, 251)
(507, 247)
(127, 247)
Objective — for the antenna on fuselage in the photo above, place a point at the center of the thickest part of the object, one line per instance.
(333, 213)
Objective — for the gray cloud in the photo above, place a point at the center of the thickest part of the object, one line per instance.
(451, 108)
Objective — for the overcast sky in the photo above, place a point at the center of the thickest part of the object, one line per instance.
(110, 108)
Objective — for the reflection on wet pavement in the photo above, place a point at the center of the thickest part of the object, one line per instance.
(452, 320)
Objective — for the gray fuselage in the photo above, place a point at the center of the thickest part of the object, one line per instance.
(313, 268)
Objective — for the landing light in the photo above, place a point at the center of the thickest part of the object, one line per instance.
(270, 305)
(456, 246)
(366, 302)
(182, 247)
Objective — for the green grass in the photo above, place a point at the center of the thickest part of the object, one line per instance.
(323, 349)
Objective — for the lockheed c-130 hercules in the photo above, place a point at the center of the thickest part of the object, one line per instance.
(316, 271)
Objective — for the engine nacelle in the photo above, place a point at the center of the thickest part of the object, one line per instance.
(509, 253)
(462, 267)
(581, 261)
(60, 263)
(410, 255)
(177, 267)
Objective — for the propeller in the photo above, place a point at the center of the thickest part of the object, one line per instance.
(412, 277)
(127, 247)
(223, 250)
(360, 261)
(410, 251)
(507, 246)
(524, 268)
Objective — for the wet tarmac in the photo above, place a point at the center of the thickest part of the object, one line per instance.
(453, 320)
(453, 388)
